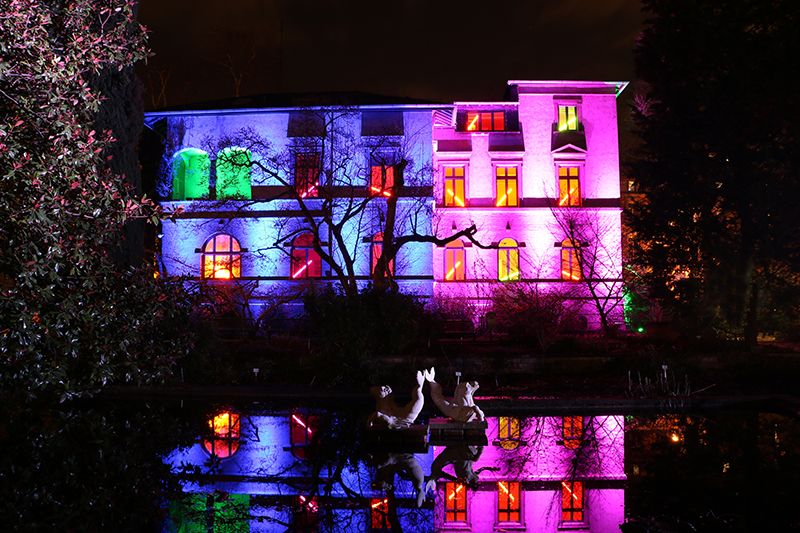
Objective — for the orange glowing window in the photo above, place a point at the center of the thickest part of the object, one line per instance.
(572, 501)
(486, 121)
(377, 250)
(569, 187)
(382, 180)
(454, 187)
(506, 182)
(455, 502)
(379, 513)
(306, 175)
(508, 432)
(572, 431)
(306, 262)
(454, 261)
(508, 501)
(222, 258)
(570, 261)
(226, 430)
(303, 428)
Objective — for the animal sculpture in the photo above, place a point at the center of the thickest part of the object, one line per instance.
(388, 414)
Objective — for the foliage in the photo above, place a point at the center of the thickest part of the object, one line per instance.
(717, 114)
(70, 318)
(351, 330)
(528, 313)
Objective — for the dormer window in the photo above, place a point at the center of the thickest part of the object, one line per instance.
(567, 118)
(486, 121)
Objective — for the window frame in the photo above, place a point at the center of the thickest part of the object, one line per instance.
(455, 261)
(226, 431)
(566, 198)
(508, 261)
(379, 514)
(310, 256)
(572, 428)
(306, 174)
(484, 121)
(211, 259)
(187, 159)
(308, 423)
(510, 438)
(570, 261)
(451, 185)
(457, 494)
(510, 196)
(510, 493)
(240, 174)
(571, 492)
(376, 250)
(562, 123)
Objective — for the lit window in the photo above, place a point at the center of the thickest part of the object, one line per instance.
(567, 118)
(306, 175)
(454, 187)
(572, 501)
(486, 121)
(234, 168)
(222, 257)
(306, 513)
(303, 428)
(508, 261)
(377, 250)
(190, 169)
(508, 432)
(226, 430)
(506, 180)
(455, 502)
(569, 187)
(572, 431)
(379, 513)
(570, 261)
(382, 180)
(454, 261)
(508, 501)
(306, 262)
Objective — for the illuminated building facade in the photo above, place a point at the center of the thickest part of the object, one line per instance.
(536, 174)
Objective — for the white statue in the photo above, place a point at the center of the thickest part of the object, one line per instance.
(462, 407)
(462, 458)
(389, 414)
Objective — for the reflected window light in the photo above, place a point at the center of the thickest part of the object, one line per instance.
(508, 501)
(508, 432)
(226, 429)
(455, 502)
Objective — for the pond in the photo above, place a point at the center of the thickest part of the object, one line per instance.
(238, 465)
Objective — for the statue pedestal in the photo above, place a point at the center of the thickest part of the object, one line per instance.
(413, 439)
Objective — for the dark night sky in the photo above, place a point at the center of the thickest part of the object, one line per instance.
(435, 50)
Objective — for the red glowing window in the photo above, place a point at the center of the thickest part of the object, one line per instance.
(377, 250)
(508, 432)
(486, 121)
(226, 428)
(303, 429)
(306, 514)
(454, 261)
(569, 187)
(508, 501)
(572, 501)
(382, 180)
(306, 262)
(572, 431)
(379, 513)
(570, 261)
(455, 502)
(454, 187)
(222, 258)
(506, 182)
(306, 175)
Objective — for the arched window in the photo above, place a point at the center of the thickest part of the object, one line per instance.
(190, 174)
(506, 183)
(377, 250)
(222, 257)
(570, 261)
(234, 168)
(454, 261)
(306, 262)
(508, 432)
(226, 428)
(508, 261)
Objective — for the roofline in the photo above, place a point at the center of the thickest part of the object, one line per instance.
(260, 110)
(619, 86)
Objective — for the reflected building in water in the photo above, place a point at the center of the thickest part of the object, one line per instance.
(302, 471)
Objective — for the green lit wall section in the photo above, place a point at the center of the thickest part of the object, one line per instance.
(190, 171)
(234, 168)
(219, 512)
